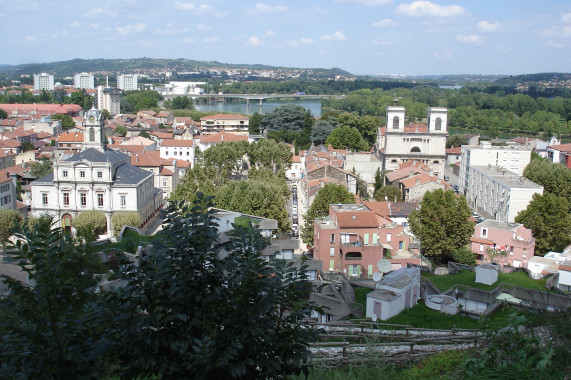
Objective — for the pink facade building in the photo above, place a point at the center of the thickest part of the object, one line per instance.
(502, 242)
(353, 238)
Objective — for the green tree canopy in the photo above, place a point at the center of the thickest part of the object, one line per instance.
(255, 124)
(455, 141)
(53, 329)
(41, 169)
(121, 130)
(322, 129)
(89, 224)
(328, 194)
(227, 157)
(269, 154)
(9, 220)
(66, 120)
(26, 146)
(203, 326)
(125, 218)
(347, 138)
(3, 114)
(180, 103)
(289, 117)
(442, 224)
(391, 192)
(555, 178)
(548, 217)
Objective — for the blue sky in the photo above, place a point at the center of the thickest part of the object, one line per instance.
(360, 36)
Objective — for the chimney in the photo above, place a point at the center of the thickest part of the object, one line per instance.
(417, 181)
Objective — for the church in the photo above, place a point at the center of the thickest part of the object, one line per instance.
(95, 179)
(399, 142)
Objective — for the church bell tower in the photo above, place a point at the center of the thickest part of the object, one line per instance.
(93, 130)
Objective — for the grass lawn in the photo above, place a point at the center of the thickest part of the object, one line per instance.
(131, 240)
(468, 278)
(423, 317)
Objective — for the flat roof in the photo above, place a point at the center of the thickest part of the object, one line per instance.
(507, 178)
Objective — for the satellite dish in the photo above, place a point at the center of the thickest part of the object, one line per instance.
(384, 265)
(374, 317)
(377, 276)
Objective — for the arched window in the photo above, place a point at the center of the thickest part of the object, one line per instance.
(396, 122)
(394, 161)
(91, 134)
(436, 162)
(438, 124)
(415, 150)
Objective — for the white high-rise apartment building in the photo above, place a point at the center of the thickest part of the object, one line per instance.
(43, 81)
(109, 99)
(83, 80)
(127, 82)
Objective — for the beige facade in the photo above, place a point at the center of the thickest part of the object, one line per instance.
(231, 123)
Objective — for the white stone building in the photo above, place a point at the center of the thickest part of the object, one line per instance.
(178, 149)
(127, 82)
(499, 194)
(109, 99)
(95, 179)
(83, 80)
(398, 142)
(43, 81)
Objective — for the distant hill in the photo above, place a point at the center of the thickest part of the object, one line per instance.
(512, 80)
(67, 68)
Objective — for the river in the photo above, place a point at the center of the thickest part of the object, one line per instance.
(240, 106)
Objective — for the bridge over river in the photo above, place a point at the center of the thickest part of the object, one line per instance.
(257, 97)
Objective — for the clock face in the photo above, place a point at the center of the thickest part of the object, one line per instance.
(91, 118)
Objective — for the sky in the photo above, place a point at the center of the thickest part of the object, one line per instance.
(364, 37)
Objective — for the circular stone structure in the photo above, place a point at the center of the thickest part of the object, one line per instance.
(441, 302)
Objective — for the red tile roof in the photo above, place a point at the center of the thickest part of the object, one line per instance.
(422, 178)
(230, 116)
(177, 143)
(219, 137)
(457, 150)
(363, 219)
(70, 137)
(566, 148)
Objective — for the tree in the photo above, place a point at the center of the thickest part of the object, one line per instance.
(55, 328)
(26, 146)
(120, 130)
(227, 157)
(390, 193)
(455, 141)
(181, 103)
(126, 218)
(328, 194)
(3, 114)
(555, 178)
(105, 114)
(254, 127)
(66, 120)
(9, 220)
(89, 224)
(269, 154)
(442, 224)
(145, 134)
(347, 138)
(289, 117)
(208, 317)
(322, 129)
(41, 169)
(548, 218)
(464, 256)
(378, 180)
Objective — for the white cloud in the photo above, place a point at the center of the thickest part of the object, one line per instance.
(203, 27)
(321, 10)
(301, 41)
(381, 43)
(471, 39)
(261, 8)
(254, 41)
(385, 23)
(426, 8)
(269, 33)
(555, 31)
(366, 2)
(335, 36)
(210, 40)
(566, 17)
(486, 26)
(188, 40)
(170, 29)
(30, 39)
(94, 25)
(444, 55)
(184, 6)
(205, 9)
(128, 29)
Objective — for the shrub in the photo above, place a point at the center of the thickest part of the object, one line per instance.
(9, 219)
(464, 256)
(90, 223)
(120, 219)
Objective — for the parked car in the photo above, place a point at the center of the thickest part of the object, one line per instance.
(294, 220)
(446, 178)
